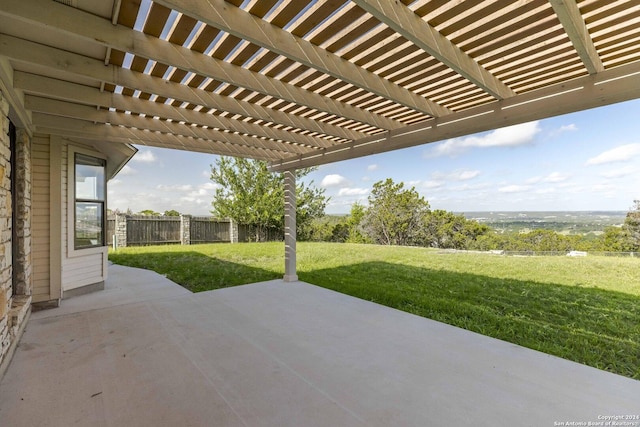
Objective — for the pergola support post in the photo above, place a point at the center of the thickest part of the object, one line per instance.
(290, 274)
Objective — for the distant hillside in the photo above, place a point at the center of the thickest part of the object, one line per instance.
(567, 222)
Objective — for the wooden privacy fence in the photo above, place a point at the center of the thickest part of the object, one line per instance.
(209, 230)
(149, 230)
(141, 230)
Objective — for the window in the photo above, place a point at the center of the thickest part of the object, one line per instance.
(90, 192)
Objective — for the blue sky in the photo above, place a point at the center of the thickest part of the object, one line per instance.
(582, 161)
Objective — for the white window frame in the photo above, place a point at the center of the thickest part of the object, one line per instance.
(71, 204)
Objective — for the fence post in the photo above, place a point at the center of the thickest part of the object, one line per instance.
(233, 231)
(120, 230)
(185, 229)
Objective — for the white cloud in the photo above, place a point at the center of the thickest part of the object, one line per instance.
(556, 177)
(514, 189)
(553, 177)
(175, 187)
(545, 191)
(353, 192)
(603, 187)
(127, 170)
(372, 167)
(144, 156)
(432, 184)
(209, 186)
(333, 180)
(534, 180)
(206, 189)
(619, 154)
(464, 175)
(511, 136)
(619, 172)
(199, 192)
(456, 175)
(564, 128)
(113, 182)
(470, 187)
(568, 128)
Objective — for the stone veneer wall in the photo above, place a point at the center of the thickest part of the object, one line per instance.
(185, 229)
(22, 266)
(14, 309)
(6, 272)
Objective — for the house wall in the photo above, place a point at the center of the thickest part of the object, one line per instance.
(41, 222)
(15, 244)
(59, 270)
(38, 264)
(6, 271)
(23, 270)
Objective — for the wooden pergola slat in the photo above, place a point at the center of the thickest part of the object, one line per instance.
(22, 50)
(405, 22)
(76, 23)
(608, 87)
(246, 26)
(80, 94)
(577, 31)
(90, 114)
(307, 80)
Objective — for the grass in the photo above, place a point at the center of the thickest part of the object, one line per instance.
(582, 309)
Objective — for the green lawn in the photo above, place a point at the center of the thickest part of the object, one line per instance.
(582, 309)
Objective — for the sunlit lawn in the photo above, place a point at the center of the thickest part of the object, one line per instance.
(582, 309)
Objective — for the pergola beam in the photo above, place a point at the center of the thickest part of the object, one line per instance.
(60, 60)
(80, 94)
(576, 29)
(235, 21)
(90, 114)
(406, 23)
(607, 87)
(76, 23)
(63, 126)
(20, 115)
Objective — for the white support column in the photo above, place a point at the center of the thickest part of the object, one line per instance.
(290, 226)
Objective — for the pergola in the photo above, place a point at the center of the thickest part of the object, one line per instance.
(300, 83)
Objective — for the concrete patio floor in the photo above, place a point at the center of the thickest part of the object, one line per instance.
(146, 352)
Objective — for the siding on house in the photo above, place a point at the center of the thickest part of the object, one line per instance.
(57, 267)
(83, 271)
(40, 218)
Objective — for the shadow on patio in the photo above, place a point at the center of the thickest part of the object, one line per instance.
(146, 352)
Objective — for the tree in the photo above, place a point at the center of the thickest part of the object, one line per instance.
(326, 229)
(354, 224)
(171, 213)
(395, 214)
(310, 204)
(251, 195)
(614, 239)
(447, 230)
(631, 227)
(149, 212)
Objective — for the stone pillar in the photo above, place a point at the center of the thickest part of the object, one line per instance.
(120, 230)
(6, 262)
(185, 229)
(290, 274)
(22, 210)
(233, 231)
